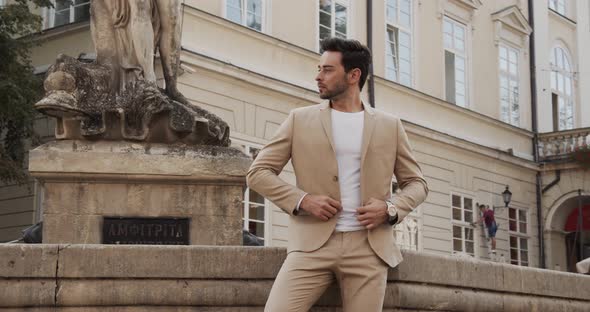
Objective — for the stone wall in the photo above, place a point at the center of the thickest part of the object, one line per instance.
(195, 278)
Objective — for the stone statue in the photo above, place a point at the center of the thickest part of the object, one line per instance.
(116, 96)
(126, 35)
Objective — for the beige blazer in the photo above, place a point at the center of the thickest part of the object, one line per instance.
(306, 138)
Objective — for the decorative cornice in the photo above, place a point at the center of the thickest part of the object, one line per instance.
(467, 6)
(471, 4)
(504, 16)
(511, 19)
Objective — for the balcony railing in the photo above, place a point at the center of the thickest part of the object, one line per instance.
(560, 145)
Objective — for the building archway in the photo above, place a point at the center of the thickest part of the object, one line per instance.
(563, 233)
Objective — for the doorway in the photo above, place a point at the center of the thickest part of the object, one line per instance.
(577, 239)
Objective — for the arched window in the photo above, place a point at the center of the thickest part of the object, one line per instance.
(562, 88)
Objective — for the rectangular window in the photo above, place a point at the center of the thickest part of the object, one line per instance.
(455, 38)
(463, 230)
(517, 229)
(245, 12)
(509, 86)
(254, 213)
(562, 85)
(517, 220)
(519, 251)
(333, 19)
(399, 41)
(255, 206)
(64, 12)
(557, 6)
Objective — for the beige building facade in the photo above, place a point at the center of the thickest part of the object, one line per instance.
(457, 72)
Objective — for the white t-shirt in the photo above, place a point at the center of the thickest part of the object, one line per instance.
(347, 132)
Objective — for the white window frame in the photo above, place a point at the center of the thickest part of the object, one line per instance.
(398, 27)
(518, 235)
(244, 14)
(558, 6)
(465, 225)
(464, 54)
(519, 212)
(49, 14)
(510, 77)
(402, 228)
(346, 4)
(246, 148)
(247, 219)
(563, 74)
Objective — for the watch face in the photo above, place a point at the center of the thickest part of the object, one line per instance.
(390, 207)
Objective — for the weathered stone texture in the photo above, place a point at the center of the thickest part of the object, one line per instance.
(82, 182)
(94, 278)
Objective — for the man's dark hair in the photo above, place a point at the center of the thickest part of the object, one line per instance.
(354, 55)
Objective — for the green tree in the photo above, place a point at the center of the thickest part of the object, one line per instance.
(19, 87)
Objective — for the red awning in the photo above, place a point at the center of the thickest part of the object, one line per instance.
(571, 225)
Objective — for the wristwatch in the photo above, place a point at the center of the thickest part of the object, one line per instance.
(392, 212)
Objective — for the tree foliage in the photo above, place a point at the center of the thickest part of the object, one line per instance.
(19, 87)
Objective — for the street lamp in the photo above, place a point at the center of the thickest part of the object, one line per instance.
(507, 196)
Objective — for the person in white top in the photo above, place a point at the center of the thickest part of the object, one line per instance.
(347, 131)
(351, 254)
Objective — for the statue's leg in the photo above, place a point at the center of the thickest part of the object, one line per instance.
(103, 36)
(142, 35)
(169, 44)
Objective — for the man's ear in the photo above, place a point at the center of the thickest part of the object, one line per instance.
(354, 75)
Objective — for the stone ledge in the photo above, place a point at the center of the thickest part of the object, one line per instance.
(172, 309)
(27, 292)
(76, 159)
(192, 262)
(477, 274)
(238, 278)
(27, 261)
(253, 293)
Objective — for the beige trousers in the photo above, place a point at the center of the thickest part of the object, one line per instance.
(346, 257)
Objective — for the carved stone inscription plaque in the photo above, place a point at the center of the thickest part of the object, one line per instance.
(145, 231)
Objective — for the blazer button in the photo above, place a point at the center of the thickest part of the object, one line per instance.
(335, 178)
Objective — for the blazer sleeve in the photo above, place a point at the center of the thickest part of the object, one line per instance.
(263, 176)
(413, 187)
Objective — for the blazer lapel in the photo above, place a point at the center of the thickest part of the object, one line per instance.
(326, 118)
(368, 127)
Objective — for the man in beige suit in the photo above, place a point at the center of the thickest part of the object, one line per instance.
(344, 154)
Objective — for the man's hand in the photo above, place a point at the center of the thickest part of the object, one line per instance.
(321, 207)
(373, 213)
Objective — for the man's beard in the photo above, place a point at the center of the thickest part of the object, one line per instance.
(339, 89)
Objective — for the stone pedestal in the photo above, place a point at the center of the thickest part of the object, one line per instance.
(82, 182)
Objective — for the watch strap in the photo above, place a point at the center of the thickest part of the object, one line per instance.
(392, 212)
